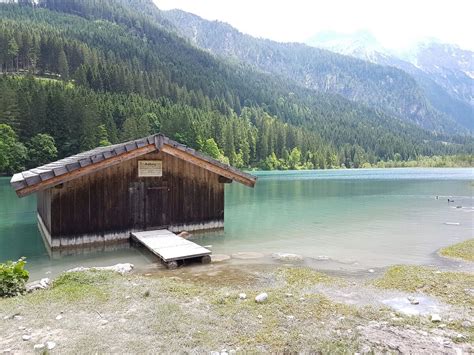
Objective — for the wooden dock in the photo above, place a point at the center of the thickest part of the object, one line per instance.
(171, 248)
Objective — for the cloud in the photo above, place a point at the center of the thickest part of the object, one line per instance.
(396, 23)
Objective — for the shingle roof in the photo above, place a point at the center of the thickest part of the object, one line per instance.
(36, 176)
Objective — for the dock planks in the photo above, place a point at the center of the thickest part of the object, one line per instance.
(170, 247)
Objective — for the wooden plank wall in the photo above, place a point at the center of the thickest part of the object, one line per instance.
(116, 199)
(43, 201)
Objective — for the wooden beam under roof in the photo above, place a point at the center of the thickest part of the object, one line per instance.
(218, 169)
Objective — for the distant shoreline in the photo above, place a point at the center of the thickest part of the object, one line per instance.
(3, 175)
(371, 168)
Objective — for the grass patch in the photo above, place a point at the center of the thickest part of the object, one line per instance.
(75, 290)
(90, 277)
(451, 287)
(180, 288)
(88, 286)
(46, 80)
(321, 307)
(463, 250)
(302, 276)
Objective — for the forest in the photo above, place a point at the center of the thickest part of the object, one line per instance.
(69, 83)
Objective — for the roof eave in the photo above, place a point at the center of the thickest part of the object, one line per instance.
(81, 164)
(81, 171)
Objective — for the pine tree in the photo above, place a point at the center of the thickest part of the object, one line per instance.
(103, 136)
(63, 67)
(9, 112)
(12, 52)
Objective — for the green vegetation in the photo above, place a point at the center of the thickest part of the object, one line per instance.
(303, 276)
(87, 286)
(210, 147)
(13, 278)
(82, 278)
(41, 149)
(451, 287)
(463, 250)
(446, 161)
(13, 154)
(110, 73)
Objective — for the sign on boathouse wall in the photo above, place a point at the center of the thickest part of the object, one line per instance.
(150, 168)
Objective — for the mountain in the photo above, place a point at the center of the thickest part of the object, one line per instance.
(450, 66)
(360, 44)
(88, 72)
(432, 55)
(445, 72)
(380, 87)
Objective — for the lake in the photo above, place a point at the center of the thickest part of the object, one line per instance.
(340, 219)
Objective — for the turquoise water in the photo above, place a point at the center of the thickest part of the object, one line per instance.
(359, 218)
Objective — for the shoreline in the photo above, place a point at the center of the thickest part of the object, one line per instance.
(286, 306)
(145, 262)
(250, 170)
(369, 168)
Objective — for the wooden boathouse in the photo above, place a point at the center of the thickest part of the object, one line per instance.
(105, 194)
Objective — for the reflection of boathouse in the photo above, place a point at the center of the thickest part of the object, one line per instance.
(104, 194)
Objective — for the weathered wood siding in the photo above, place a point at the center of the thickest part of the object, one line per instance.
(43, 201)
(116, 200)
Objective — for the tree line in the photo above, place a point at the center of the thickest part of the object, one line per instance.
(85, 82)
(78, 119)
(59, 119)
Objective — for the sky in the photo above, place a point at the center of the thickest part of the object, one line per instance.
(397, 24)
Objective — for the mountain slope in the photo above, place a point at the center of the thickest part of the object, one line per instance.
(384, 88)
(450, 66)
(442, 91)
(444, 72)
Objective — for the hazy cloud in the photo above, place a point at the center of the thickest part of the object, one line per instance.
(396, 24)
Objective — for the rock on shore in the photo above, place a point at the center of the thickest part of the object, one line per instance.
(287, 257)
(38, 285)
(119, 268)
(262, 297)
(247, 255)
